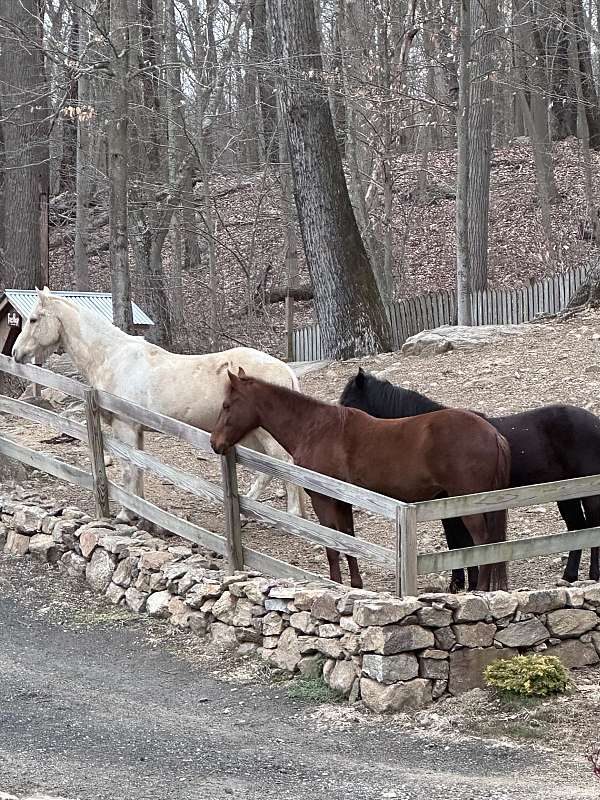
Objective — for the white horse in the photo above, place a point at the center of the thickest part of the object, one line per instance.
(188, 388)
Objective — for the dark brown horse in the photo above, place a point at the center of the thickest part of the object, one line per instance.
(442, 454)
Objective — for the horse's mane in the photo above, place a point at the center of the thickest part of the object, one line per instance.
(380, 398)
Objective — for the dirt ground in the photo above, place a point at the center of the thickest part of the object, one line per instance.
(98, 703)
(556, 362)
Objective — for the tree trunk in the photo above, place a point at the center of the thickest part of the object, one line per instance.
(484, 21)
(463, 267)
(118, 169)
(349, 308)
(83, 165)
(23, 97)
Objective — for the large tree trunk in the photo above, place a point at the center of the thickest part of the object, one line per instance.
(118, 168)
(23, 96)
(484, 15)
(349, 308)
(83, 162)
(463, 268)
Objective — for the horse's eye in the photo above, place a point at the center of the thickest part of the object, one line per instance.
(32, 320)
(226, 406)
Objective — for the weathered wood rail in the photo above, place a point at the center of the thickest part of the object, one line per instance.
(404, 560)
(411, 315)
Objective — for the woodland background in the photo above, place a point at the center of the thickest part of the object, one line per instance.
(145, 148)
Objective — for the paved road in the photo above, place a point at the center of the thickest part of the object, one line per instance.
(100, 711)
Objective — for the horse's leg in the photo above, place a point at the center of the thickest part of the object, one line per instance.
(487, 529)
(458, 536)
(132, 476)
(263, 442)
(572, 513)
(337, 515)
(591, 507)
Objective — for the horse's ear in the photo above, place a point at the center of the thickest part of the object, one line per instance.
(360, 376)
(46, 291)
(233, 378)
(41, 293)
(241, 372)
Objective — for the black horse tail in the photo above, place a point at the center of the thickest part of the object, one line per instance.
(496, 520)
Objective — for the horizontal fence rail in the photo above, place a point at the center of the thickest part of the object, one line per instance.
(404, 559)
(411, 315)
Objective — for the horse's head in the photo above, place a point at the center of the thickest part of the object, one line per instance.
(355, 394)
(238, 415)
(41, 333)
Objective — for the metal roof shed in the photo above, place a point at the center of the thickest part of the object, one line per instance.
(17, 304)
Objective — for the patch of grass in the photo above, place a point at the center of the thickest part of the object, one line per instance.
(521, 731)
(312, 690)
(110, 616)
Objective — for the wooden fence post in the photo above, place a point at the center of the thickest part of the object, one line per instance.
(96, 444)
(231, 505)
(406, 551)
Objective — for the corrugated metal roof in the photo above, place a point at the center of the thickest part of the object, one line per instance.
(24, 300)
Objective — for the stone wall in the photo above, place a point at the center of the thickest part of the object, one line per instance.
(392, 653)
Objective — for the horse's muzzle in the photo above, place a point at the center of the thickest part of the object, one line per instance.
(17, 355)
(219, 446)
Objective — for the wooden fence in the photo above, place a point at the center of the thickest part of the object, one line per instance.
(412, 315)
(404, 560)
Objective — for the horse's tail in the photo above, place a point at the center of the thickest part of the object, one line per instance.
(496, 520)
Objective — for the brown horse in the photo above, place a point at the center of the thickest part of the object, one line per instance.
(442, 454)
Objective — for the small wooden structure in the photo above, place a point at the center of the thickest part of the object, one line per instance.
(17, 304)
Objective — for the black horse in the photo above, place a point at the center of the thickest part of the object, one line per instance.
(552, 443)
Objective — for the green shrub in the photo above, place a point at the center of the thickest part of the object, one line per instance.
(528, 676)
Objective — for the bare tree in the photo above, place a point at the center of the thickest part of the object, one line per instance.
(463, 266)
(349, 307)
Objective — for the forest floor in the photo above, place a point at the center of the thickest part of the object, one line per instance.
(250, 246)
(557, 362)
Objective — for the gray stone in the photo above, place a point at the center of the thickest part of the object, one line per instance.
(383, 612)
(242, 616)
(479, 634)
(155, 559)
(329, 630)
(74, 564)
(201, 592)
(245, 635)
(389, 669)
(3, 535)
(157, 604)
(115, 593)
(471, 608)
(223, 636)
(575, 597)
(331, 648)
(328, 668)
(574, 653)
(596, 641)
(256, 589)
(311, 666)
(190, 578)
(432, 617)
(397, 697)
(287, 653)
(276, 604)
(434, 668)
(99, 570)
(28, 519)
(569, 623)
(440, 598)
(461, 337)
(444, 638)
(439, 655)
(135, 599)
(591, 594)
(270, 642)
(306, 597)
(64, 530)
(43, 547)
(345, 605)
(502, 604)
(350, 643)
(523, 634)
(272, 624)
(348, 624)
(180, 551)
(542, 600)
(467, 665)
(224, 608)
(17, 544)
(395, 639)
(283, 592)
(303, 621)
(342, 677)
(324, 606)
(115, 544)
(123, 573)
